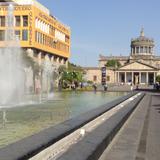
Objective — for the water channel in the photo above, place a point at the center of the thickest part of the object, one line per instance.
(21, 121)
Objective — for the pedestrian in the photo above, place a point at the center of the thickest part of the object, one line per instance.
(131, 87)
(95, 87)
(105, 87)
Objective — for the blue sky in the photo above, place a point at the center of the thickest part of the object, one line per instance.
(106, 26)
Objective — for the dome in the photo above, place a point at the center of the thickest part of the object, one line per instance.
(142, 45)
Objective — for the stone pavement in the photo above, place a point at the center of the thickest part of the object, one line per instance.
(139, 138)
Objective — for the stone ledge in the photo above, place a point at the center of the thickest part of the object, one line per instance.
(30, 146)
(93, 145)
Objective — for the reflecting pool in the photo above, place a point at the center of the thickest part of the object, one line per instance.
(22, 121)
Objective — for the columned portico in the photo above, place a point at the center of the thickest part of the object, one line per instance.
(136, 77)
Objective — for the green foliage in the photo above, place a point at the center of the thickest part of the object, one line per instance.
(73, 67)
(90, 82)
(113, 63)
(69, 75)
(158, 78)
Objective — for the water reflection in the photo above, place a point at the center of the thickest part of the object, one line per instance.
(19, 122)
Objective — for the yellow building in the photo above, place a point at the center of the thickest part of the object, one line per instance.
(41, 35)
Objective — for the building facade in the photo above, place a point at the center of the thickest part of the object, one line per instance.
(41, 35)
(141, 67)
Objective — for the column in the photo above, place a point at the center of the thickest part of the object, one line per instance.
(62, 61)
(131, 50)
(152, 50)
(46, 57)
(147, 77)
(154, 78)
(52, 59)
(132, 78)
(57, 60)
(125, 78)
(30, 52)
(144, 50)
(39, 58)
(118, 77)
(139, 77)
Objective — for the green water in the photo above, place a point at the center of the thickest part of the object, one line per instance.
(26, 120)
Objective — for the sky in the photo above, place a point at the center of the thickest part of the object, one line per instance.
(106, 26)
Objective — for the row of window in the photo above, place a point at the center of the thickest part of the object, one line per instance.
(48, 41)
(42, 26)
(49, 29)
(21, 35)
(142, 50)
(18, 21)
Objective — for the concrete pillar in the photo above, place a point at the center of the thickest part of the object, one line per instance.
(151, 50)
(131, 50)
(140, 78)
(57, 60)
(117, 77)
(47, 57)
(39, 58)
(52, 59)
(154, 77)
(143, 49)
(132, 78)
(67, 63)
(147, 77)
(62, 61)
(125, 78)
(30, 52)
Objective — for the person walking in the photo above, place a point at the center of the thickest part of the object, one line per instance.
(105, 87)
(95, 87)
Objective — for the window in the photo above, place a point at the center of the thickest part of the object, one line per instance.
(2, 21)
(108, 78)
(18, 34)
(2, 35)
(17, 21)
(25, 35)
(36, 36)
(25, 21)
(67, 39)
(137, 49)
(94, 78)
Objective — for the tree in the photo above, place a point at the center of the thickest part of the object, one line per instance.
(113, 63)
(72, 74)
(158, 78)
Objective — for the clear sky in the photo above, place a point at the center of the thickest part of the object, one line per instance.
(106, 26)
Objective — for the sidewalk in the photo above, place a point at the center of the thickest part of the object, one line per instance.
(139, 138)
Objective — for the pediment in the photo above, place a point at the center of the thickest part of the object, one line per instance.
(137, 66)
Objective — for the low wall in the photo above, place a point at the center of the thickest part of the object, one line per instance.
(30, 146)
(92, 145)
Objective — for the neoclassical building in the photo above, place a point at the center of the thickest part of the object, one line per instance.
(141, 67)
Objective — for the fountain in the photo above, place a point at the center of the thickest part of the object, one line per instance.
(11, 65)
(47, 78)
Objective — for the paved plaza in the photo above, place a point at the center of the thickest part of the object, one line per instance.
(139, 137)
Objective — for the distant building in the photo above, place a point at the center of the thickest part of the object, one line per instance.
(141, 67)
(41, 35)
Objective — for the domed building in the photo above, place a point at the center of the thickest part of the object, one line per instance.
(141, 67)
